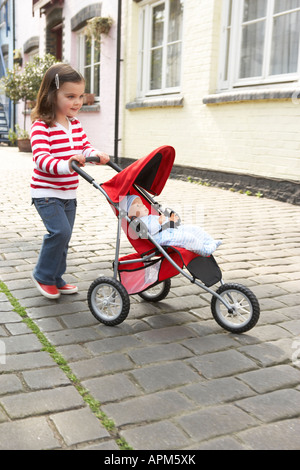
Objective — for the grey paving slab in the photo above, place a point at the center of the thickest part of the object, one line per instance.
(169, 377)
(28, 434)
(216, 421)
(273, 406)
(77, 426)
(39, 402)
(283, 435)
(163, 435)
(112, 388)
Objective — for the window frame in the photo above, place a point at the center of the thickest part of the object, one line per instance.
(145, 48)
(232, 81)
(81, 59)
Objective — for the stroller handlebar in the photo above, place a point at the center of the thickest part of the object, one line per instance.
(85, 175)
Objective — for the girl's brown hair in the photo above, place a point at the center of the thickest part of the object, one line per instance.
(56, 75)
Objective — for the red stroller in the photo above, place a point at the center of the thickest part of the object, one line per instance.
(148, 271)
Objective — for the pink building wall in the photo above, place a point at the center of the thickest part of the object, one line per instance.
(98, 121)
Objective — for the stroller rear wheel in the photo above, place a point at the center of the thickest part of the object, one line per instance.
(245, 308)
(158, 292)
(108, 301)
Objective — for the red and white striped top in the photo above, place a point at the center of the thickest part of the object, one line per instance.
(52, 147)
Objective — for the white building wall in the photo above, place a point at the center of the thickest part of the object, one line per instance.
(253, 137)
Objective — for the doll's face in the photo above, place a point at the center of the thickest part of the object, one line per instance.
(138, 209)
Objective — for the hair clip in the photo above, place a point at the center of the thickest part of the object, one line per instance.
(57, 81)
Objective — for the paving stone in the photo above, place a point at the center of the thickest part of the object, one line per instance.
(45, 378)
(53, 309)
(270, 353)
(3, 416)
(78, 426)
(283, 435)
(73, 352)
(10, 383)
(181, 303)
(165, 335)
(101, 365)
(79, 320)
(106, 445)
(9, 316)
(71, 336)
(152, 407)
(163, 376)
(113, 344)
(18, 328)
(161, 352)
(49, 324)
(22, 344)
(20, 362)
(3, 332)
(210, 343)
(211, 392)
(28, 434)
(292, 326)
(6, 307)
(271, 378)
(43, 401)
(215, 421)
(273, 406)
(112, 388)
(158, 436)
(222, 364)
(169, 319)
(221, 443)
(206, 328)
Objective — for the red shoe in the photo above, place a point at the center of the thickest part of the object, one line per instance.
(68, 289)
(51, 292)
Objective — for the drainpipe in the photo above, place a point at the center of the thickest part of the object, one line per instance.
(118, 72)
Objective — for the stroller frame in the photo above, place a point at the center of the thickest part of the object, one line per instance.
(218, 297)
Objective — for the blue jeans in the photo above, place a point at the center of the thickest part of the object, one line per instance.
(58, 216)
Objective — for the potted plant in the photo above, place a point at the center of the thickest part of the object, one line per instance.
(19, 137)
(97, 26)
(12, 137)
(23, 140)
(88, 98)
(23, 85)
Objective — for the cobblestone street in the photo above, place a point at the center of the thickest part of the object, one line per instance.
(168, 377)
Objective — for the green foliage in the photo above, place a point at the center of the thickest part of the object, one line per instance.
(17, 134)
(12, 136)
(23, 84)
(97, 26)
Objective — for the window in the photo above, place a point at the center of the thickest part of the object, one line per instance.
(89, 63)
(260, 42)
(160, 47)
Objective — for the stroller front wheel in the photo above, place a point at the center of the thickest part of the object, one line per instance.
(108, 301)
(245, 310)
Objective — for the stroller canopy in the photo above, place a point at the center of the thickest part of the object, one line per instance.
(150, 173)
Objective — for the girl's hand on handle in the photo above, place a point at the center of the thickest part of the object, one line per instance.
(104, 158)
(79, 158)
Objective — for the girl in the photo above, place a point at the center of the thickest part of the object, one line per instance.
(57, 138)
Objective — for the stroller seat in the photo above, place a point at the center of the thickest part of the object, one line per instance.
(150, 174)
